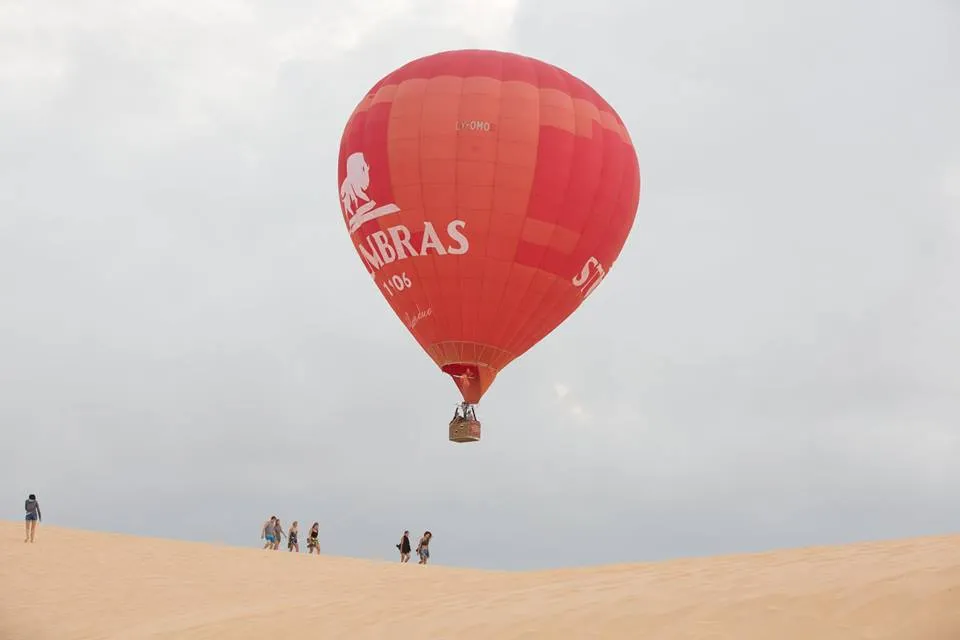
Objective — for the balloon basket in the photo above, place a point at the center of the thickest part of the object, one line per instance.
(464, 430)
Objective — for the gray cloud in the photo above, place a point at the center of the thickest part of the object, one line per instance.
(189, 342)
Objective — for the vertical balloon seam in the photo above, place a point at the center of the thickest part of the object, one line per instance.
(503, 351)
(466, 301)
(511, 344)
(611, 215)
(605, 166)
(368, 143)
(523, 329)
(484, 351)
(475, 301)
(557, 308)
(588, 251)
(625, 169)
(597, 187)
(453, 325)
(631, 169)
(488, 347)
(512, 317)
(598, 240)
(495, 339)
(364, 136)
(494, 345)
(515, 319)
(627, 175)
(423, 205)
(533, 327)
(415, 264)
(626, 150)
(508, 316)
(461, 345)
(529, 324)
(371, 141)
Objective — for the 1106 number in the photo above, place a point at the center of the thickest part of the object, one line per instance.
(395, 284)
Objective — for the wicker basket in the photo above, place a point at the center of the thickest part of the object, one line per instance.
(464, 430)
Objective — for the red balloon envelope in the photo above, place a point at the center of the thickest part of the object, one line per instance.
(487, 194)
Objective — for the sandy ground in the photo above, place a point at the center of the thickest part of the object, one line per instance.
(76, 584)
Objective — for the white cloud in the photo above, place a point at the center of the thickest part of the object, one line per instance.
(488, 21)
(214, 59)
(571, 405)
(579, 412)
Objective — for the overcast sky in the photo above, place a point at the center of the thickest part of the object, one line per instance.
(189, 343)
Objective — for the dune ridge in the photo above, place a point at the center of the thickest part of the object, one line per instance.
(79, 585)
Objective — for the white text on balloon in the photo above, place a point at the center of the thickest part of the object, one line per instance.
(385, 247)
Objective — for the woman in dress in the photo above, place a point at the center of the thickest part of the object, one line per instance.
(313, 539)
(292, 543)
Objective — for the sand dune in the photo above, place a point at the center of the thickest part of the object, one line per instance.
(71, 585)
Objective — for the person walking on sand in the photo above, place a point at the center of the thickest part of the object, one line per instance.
(267, 533)
(278, 534)
(292, 543)
(423, 547)
(313, 539)
(404, 547)
(33, 516)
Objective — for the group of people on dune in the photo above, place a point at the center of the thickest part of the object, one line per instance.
(272, 534)
(423, 547)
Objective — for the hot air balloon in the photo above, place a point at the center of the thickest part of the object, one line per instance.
(487, 194)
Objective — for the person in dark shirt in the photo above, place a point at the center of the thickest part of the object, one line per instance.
(313, 539)
(404, 547)
(32, 508)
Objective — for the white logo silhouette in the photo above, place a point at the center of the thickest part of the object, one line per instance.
(353, 191)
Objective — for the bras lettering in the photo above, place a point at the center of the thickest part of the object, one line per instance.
(396, 243)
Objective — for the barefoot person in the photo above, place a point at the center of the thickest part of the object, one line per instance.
(33, 516)
(292, 543)
(404, 547)
(313, 539)
(423, 547)
(278, 534)
(267, 533)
